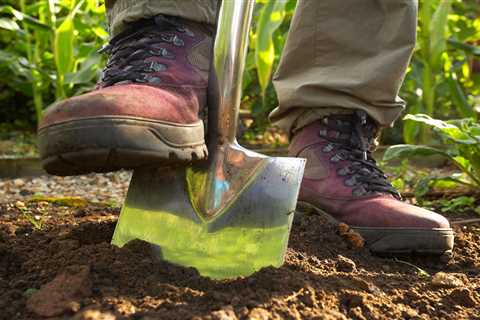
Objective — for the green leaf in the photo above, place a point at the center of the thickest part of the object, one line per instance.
(271, 17)
(398, 184)
(422, 188)
(100, 32)
(459, 98)
(9, 24)
(459, 204)
(448, 130)
(30, 21)
(63, 44)
(411, 129)
(403, 151)
(438, 29)
(467, 48)
(87, 71)
(426, 184)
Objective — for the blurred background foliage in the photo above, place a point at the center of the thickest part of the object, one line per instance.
(48, 51)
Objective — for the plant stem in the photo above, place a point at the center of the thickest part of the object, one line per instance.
(33, 59)
(428, 98)
(466, 171)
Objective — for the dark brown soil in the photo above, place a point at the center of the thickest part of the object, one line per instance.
(324, 277)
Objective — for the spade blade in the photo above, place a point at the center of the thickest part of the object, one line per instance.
(233, 236)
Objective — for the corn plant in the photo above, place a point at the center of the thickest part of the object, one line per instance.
(51, 46)
(270, 26)
(461, 147)
(440, 81)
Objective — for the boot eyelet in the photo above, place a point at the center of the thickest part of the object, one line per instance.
(336, 158)
(153, 80)
(328, 148)
(155, 67)
(177, 41)
(343, 172)
(162, 52)
(351, 181)
(359, 192)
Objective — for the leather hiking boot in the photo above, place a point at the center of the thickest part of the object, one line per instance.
(145, 109)
(343, 181)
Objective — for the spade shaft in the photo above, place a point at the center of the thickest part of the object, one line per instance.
(228, 216)
(226, 70)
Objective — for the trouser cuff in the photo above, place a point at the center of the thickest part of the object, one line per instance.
(123, 12)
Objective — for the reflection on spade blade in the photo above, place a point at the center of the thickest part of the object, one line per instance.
(251, 234)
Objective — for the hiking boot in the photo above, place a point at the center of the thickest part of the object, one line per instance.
(144, 110)
(343, 181)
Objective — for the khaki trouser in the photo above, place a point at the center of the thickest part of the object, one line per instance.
(340, 55)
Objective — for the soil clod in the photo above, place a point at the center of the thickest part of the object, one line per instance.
(345, 265)
(443, 279)
(62, 294)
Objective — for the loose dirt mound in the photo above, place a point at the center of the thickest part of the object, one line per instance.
(69, 270)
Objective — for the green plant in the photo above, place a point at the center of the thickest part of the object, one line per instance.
(50, 47)
(35, 220)
(271, 22)
(441, 81)
(461, 146)
(456, 205)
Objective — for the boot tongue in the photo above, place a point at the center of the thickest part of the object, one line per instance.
(365, 132)
(356, 130)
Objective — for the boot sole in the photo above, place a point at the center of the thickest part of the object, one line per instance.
(398, 241)
(104, 144)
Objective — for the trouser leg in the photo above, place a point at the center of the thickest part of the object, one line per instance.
(344, 55)
(121, 12)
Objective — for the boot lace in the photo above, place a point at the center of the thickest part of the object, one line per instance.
(129, 51)
(351, 139)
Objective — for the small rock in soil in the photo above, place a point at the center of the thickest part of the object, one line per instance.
(345, 265)
(18, 183)
(409, 313)
(225, 314)
(259, 314)
(353, 300)
(90, 314)
(357, 313)
(20, 205)
(62, 294)
(446, 280)
(463, 297)
(308, 297)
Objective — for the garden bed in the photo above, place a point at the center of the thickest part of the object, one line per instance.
(56, 261)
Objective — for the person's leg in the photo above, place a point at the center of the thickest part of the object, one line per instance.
(337, 83)
(349, 54)
(146, 109)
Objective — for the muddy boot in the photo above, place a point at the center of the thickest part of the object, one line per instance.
(145, 109)
(343, 181)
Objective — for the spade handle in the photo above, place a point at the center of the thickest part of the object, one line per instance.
(226, 70)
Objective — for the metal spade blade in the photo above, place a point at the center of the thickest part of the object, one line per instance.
(231, 215)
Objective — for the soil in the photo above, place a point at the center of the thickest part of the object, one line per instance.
(56, 261)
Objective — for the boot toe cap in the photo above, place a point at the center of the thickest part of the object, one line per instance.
(130, 100)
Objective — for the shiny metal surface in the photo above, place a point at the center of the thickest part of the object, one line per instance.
(230, 215)
(226, 70)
